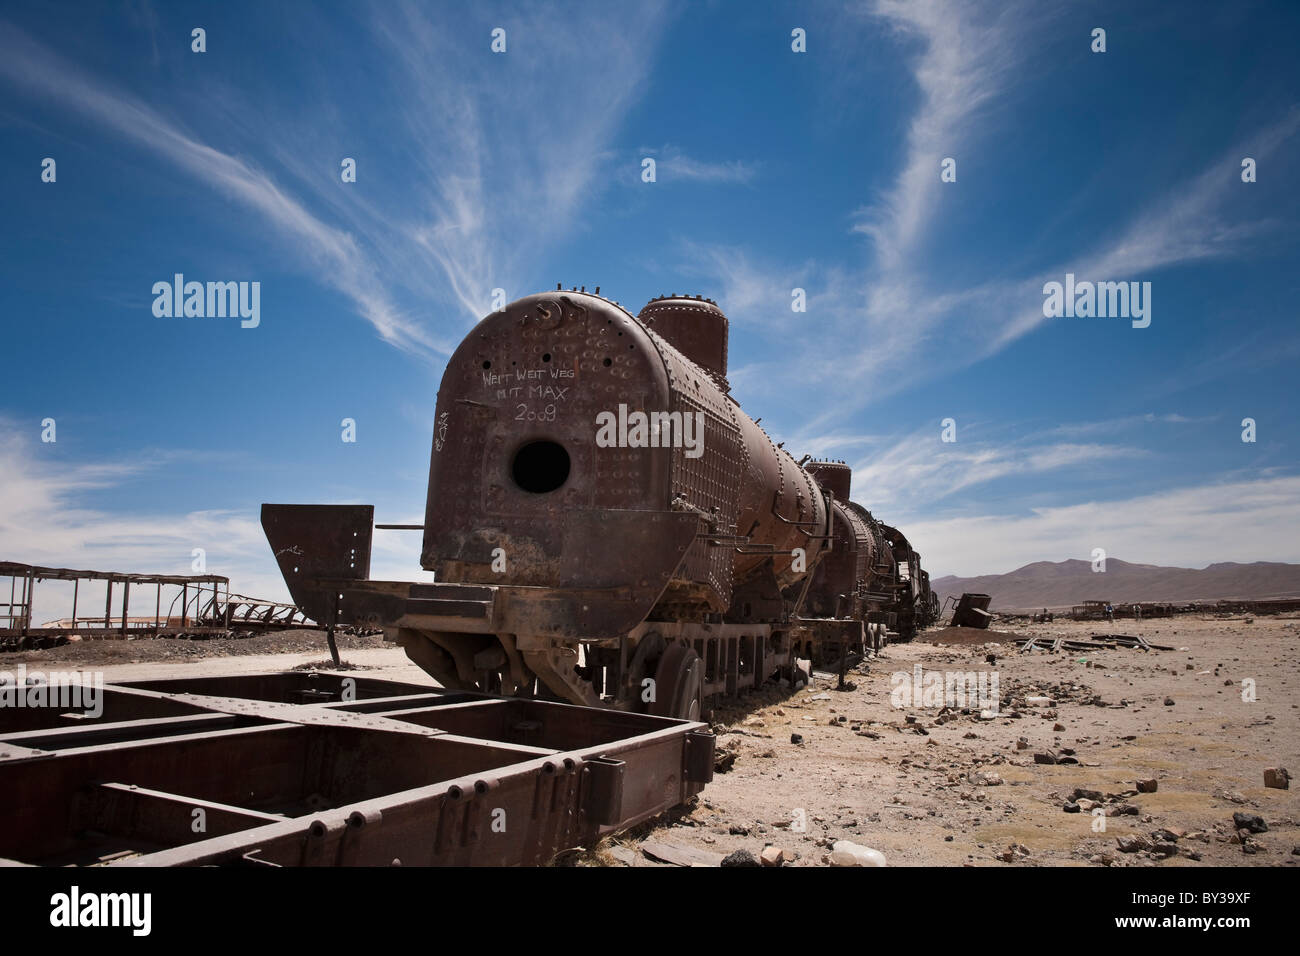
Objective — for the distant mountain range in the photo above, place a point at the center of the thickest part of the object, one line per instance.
(1065, 583)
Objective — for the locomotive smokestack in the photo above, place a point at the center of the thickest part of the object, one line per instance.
(694, 326)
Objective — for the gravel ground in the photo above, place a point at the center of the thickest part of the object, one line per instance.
(952, 789)
(932, 787)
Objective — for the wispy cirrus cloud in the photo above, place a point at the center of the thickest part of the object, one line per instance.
(760, 298)
(1243, 515)
(673, 164)
(956, 78)
(1194, 221)
(500, 164)
(922, 470)
(332, 253)
(510, 158)
(882, 314)
(895, 323)
(1127, 422)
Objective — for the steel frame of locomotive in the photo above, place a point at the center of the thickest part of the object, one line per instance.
(630, 576)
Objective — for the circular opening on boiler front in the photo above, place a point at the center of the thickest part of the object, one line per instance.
(540, 467)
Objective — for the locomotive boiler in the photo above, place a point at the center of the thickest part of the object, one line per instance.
(606, 526)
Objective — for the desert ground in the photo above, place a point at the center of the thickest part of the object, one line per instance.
(931, 787)
(929, 784)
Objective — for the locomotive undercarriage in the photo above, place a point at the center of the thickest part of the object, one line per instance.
(535, 642)
(665, 668)
(548, 643)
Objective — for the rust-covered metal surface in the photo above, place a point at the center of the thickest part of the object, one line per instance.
(316, 546)
(306, 769)
(696, 327)
(607, 526)
(516, 465)
(972, 610)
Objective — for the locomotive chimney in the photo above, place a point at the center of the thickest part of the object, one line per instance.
(835, 476)
(696, 327)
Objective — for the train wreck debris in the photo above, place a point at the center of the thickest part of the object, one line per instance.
(616, 574)
(1093, 643)
(200, 605)
(334, 771)
(182, 613)
(971, 610)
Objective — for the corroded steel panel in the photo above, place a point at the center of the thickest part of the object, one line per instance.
(695, 326)
(314, 543)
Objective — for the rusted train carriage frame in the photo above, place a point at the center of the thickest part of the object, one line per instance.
(20, 632)
(525, 779)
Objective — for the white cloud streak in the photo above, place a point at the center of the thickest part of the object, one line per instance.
(1126, 423)
(501, 165)
(508, 161)
(964, 62)
(335, 256)
(895, 326)
(673, 164)
(922, 471)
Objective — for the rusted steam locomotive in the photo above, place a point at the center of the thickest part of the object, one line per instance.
(607, 526)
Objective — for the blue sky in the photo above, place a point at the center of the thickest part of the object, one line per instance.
(775, 170)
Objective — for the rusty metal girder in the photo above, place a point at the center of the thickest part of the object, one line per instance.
(332, 771)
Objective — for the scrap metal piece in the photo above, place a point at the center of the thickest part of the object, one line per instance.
(972, 610)
(318, 546)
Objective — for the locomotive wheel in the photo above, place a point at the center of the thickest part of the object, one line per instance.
(679, 684)
(649, 650)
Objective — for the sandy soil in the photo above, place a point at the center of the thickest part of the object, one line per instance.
(954, 789)
(159, 658)
(932, 787)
